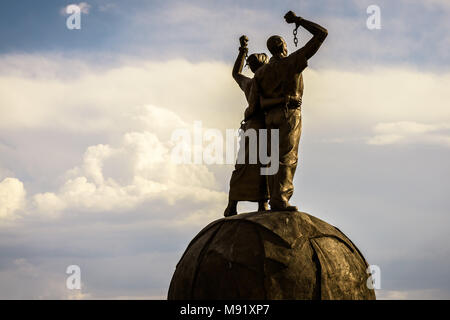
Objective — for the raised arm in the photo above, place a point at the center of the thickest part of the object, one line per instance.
(319, 34)
(239, 64)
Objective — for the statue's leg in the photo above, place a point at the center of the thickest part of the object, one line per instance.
(282, 181)
(269, 121)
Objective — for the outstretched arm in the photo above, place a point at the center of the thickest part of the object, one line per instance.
(239, 63)
(319, 34)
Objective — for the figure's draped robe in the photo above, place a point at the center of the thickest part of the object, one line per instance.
(247, 183)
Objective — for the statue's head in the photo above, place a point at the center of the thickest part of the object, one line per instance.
(277, 46)
(256, 60)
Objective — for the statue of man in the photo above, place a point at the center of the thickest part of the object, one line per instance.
(282, 76)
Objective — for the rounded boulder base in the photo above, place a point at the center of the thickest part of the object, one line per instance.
(271, 256)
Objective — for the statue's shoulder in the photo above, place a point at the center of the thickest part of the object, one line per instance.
(262, 70)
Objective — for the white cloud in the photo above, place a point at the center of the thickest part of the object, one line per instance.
(78, 98)
(121, 177)
(130, 166)
(92, 149)
(385, 139)
(376, 95)
(408, 127)
(410, 132)
(12, 198)
(88, 99)
(377, 106)
(84, 8)
(49, 204)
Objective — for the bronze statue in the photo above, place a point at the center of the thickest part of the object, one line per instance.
(246, 183)
(282, 77)
(278, 254)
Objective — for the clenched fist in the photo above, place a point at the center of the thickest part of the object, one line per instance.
(243, 40)
(290, 17)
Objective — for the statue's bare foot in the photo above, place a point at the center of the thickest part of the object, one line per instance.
(231, 209)
(263, 206)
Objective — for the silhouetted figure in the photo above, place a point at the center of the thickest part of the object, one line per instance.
(282, 77)
(247, 183)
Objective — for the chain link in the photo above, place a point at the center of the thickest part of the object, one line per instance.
(295, 34)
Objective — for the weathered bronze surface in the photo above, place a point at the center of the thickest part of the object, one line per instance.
(271, 255)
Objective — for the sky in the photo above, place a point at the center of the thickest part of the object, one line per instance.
(86, 119)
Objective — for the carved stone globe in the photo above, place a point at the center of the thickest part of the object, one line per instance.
(271, 255)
